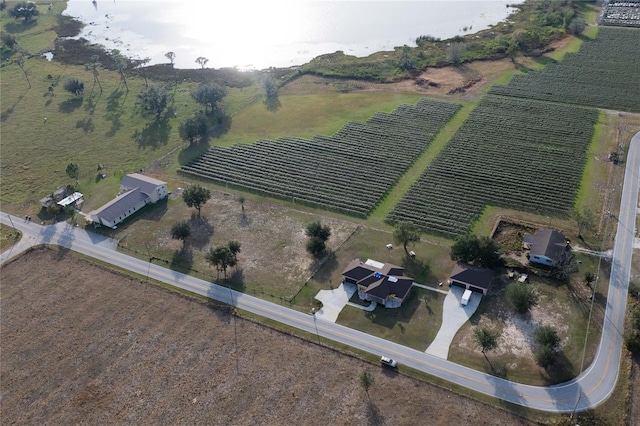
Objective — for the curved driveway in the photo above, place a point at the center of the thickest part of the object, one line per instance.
(589, 389)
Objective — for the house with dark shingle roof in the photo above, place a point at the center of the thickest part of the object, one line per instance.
(471, 277)
(549, 247)
(378, 282)
(136, 191)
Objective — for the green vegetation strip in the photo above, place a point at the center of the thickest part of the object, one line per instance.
(349, 172)
(511, 153)
(604, 73)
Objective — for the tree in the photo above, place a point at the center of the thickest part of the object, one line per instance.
(8, 40)
(196, 196)
(455, 52)
(316, 229)
(546, 335)
(194, 129)
(234, 248)
(318, 235)
(74, 86)
(73, 171)
(221, 258)
(405, 233)
(406, 63)
(544, 356)
(122, 64)
(20, 62)
(93, 67)
(270, 87)
(202, 61)
(153, 100)
(316, 246)
(483, 251)
(589, 278)
(488, 255)
(24, 10)
(577, 25)
(171, 57)
(209, 94)
(522, 296)
(465, 248)
(181, 231)
(486, 339)
(367, 381)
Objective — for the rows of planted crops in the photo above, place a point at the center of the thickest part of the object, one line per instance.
(604, 73)
(514, 153)
(349, 172)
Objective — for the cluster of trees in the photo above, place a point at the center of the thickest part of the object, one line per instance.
(547, 339)
(196, 129)
(154, 100)
(223, 257)
(25, 10)
(481, 251)
(318, 235)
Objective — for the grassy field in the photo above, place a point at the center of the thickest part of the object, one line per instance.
(8, 237)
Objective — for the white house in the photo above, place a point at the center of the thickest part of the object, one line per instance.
(136, 191)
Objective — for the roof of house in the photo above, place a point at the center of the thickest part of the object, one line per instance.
(472, 275)
(119, 205)
(388, 285)
(379, 279)
(146, 184)
(549, 243)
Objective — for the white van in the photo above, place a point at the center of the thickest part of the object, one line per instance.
(465, 298)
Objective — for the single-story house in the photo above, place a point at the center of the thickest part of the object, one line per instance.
(471, 277)
(136, 191)
(549, 247)
(378, 282)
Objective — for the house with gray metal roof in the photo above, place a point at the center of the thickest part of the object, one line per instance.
(136, 191)
(549, 247)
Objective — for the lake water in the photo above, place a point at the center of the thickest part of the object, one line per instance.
(281, 33)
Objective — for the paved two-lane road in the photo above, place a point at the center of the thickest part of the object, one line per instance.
(589, 389)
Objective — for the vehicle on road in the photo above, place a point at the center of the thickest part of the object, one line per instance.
(388, 362)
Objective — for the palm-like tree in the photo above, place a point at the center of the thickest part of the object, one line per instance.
(487, 339)
(366, 381)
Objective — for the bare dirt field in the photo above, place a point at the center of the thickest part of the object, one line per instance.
(84, 345)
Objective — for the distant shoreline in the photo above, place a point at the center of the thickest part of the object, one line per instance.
(151, 48)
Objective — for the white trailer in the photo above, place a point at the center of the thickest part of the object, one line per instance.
(465, 298)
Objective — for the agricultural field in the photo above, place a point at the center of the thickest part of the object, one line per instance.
(510, 152)
(624, 13)
(604, 73)
(349, 172)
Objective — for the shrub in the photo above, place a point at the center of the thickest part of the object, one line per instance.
(522, 296)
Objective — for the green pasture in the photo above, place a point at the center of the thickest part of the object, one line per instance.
(309, 115)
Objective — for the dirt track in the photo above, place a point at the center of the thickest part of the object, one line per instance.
(82, 345)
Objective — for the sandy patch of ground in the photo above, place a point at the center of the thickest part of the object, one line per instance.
(446, 81)
(82, 345)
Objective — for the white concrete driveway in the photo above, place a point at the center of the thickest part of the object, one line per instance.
(454, 316)
(333, 301)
